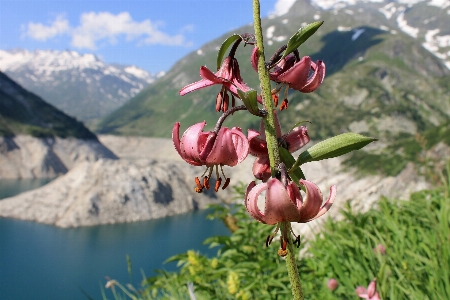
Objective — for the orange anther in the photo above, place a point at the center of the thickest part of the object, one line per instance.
(206, 183)
(218, 182)
(284, 105)
(275, 99)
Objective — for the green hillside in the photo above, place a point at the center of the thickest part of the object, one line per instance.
(381, 84)
(22, 112)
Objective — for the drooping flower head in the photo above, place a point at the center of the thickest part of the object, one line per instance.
(369, 293)
(227, 147)
(228, 75)
(294, 72)
(293, 141)
(285, 203)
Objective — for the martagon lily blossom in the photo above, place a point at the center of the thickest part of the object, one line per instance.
(369, 293)
(295, 72)
(285, 203)
(293, 141)
(228, 75)
(227, 147)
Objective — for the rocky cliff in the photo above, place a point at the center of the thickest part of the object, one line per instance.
(151, 181)
(24, 156)
(108, 191)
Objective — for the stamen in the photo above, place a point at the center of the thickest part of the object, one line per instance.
(199, 187)
(218, 182)
(219, 100)
(227, 182)
(226, 102)
(268, 240)
(206, 182)
(275, 99)
(233, 101)
(284, 105)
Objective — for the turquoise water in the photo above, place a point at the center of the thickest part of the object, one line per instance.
(40, 261)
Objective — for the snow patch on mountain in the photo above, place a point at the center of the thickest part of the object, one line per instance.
(82, 85)
(403, 25)
(357, 33)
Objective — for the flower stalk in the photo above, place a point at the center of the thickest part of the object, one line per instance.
(269, 120)
(272, 145)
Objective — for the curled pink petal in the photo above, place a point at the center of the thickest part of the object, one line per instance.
(230, 148)
(176, 137)
(370, 293)
(251, 201)
(261, 168)
(297, 138)
(372, 288)
(361, 292)
(297, 76)
(326, 207)
(316, 79)
(312, 202)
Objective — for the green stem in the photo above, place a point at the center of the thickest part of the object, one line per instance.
(269, 120)
(272, 145)
(291, 265)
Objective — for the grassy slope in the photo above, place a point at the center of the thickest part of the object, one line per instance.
(22, 112)
(415, 234)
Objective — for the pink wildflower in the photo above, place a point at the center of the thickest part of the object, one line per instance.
(286, 203)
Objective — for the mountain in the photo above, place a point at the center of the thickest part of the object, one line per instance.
(39, 141)
(22, 112)
(81, 85)
(380, 80)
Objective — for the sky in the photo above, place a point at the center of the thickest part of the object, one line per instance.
(151, 34)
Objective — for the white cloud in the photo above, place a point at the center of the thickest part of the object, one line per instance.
(41, 32)
(282, 7)
(104, 26)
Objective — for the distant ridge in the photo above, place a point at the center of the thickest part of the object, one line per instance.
(81, 85)
(22, 112)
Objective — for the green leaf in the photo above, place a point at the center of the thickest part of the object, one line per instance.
(250, 101)
(333, 147)
(225, 45)
(289, 160)
(301, 36)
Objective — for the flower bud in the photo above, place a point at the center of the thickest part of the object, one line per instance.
(332, 284)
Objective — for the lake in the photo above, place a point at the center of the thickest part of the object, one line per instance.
(40, 261)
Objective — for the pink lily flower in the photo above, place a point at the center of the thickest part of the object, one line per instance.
(286, 203)
(227, 147)
(293, 140)
(295, 73)
(369, 293)
(229, 76)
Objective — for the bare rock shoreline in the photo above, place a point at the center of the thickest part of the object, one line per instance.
(150, 180)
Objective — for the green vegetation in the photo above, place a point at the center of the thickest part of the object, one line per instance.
(415, 234)
(396, 156)
(22, 112)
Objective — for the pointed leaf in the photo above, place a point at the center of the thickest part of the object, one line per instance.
(301, 36)
(224, 47)
(250, 100)
(289, 160)
(333, 147)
